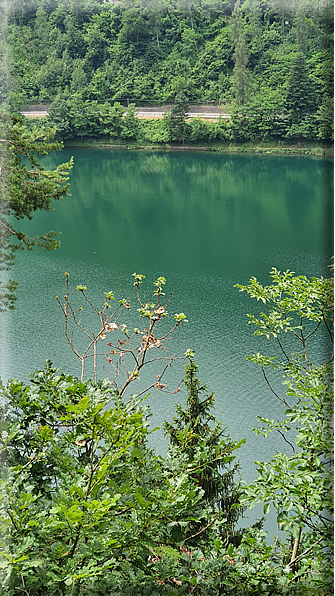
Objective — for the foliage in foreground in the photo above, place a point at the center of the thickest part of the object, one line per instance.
(87, 507)
(298, 319)
(88, 504)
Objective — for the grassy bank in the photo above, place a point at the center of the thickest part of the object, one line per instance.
(263, 148)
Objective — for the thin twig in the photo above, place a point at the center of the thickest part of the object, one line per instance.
(202, 530)
(273, 391)
(285, 439)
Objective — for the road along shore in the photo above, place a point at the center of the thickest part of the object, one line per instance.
(147, 113)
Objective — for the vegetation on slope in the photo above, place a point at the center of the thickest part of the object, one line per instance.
(87, 507)
(272, 60)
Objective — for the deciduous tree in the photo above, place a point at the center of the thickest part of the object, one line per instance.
(298, 483)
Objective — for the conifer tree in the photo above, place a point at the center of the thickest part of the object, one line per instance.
(241, 76)
(300, 93)
(198, 436)
(26, 186)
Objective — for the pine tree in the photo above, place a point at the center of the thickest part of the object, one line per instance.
(300, 93)
(196, 434)
(241, 83)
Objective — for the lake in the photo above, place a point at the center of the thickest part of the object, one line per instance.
(203, 221)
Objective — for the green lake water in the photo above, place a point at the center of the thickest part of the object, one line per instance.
(205, 222)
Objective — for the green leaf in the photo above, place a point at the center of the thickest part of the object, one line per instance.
(266, 508)
(281, 517)
(137, 453)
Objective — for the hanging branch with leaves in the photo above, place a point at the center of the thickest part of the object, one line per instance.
(26, 186)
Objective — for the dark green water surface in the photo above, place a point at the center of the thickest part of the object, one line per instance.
(205, 222)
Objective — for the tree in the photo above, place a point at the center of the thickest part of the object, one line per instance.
(128, 351)
(185, 6)
(79, 78)
(96, 46)
(176, 117)
(298, 483)
(301, 101)
(149, 50)
(42, 33)
(241, 76)
(299, 98)
(154, 9)
(134, 26)
(85, 504)
(115, 123)
(130, 124)
(325, 119)
(26, 187)
(59, 116)
(200, 438)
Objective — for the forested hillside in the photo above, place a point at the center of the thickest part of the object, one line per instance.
(271, 59)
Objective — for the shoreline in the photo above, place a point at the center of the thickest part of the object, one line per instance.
(256, 148)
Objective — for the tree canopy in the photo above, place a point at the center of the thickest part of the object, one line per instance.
(273, 58)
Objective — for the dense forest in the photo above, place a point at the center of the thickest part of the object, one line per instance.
(269, 63)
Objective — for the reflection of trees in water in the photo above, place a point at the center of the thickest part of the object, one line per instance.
(233, 176)
(222, 208)
(154, 164)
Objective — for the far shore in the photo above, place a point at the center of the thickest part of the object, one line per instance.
(261, 148)
(209, 113)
